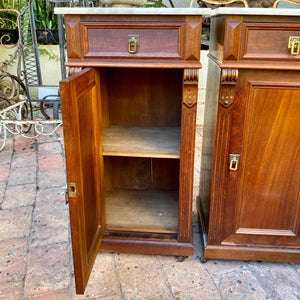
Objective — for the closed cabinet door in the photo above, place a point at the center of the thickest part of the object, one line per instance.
(256, 185)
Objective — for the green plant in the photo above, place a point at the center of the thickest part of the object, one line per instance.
(9, 12)
(155, 3)
(44, 15)
(51, 56)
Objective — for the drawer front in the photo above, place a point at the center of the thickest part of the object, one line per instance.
(136, 41)
(261, 41)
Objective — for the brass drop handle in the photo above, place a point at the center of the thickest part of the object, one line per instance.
(133, 43)
(294, 44)
(234, 160)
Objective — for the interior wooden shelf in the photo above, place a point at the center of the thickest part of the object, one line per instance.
(142, 210)
(156, 142)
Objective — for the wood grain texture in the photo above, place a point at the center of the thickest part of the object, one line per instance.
(72, 25)
(187, 145)
(259, 203)
(159, 142)
(232, 38)
(156, 41)
(264, 206)
(157, 210)
(152, 246)
(148, 189)
(252, 253)
(80, 99)
(141, 173)
(254, 211)
(229, 79)
(254, 42)
(144, 97)
(193, 28)
(269, 41)
(165, 41)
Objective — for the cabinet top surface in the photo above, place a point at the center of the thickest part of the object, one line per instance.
(255, 11)
(178, 11)
(131, 11)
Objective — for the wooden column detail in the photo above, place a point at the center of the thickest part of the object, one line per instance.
(72, 24)
(222, 142)
(193, 29)
(187, 145)
(232, 38)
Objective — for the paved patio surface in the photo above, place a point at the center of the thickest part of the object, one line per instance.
(35, 251)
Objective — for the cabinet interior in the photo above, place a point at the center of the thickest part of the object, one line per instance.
(141, 118)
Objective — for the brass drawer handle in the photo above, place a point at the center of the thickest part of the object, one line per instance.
(294, 44)
(133, 43)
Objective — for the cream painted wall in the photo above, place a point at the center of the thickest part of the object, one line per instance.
(51, 74)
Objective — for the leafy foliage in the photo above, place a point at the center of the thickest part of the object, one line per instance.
(156, 3)
(8, 19)
(44, 15)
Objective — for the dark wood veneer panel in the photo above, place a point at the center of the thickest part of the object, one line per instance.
(268, 41)
(110, 41)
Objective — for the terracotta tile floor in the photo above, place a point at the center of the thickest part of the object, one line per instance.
(35, 251)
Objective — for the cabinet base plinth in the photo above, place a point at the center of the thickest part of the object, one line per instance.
(253, 253)
(146, 247)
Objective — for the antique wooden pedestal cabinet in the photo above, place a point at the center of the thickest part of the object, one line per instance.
(250, 174)
(129, 123)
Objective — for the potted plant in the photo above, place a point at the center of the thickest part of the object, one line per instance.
(45, 22)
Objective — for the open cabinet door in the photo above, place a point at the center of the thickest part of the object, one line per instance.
(81, 111)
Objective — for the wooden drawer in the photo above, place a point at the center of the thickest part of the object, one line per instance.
(268, 41)
(104, 40)
(157, 41)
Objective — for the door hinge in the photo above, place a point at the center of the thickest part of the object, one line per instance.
(66, 198)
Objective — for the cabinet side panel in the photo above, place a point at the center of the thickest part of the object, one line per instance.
(216, 42)
(209, 133)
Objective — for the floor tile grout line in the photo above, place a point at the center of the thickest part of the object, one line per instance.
(251, 270)
(213, 282)
(117, 275)
(6, 184)
(166, 278)
(64, 186)
(29, 238)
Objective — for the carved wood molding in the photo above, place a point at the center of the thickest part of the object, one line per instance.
(190, 87)
(288, 1)
(191, 75)
(229, 79)
(221, 2)
(73, 70)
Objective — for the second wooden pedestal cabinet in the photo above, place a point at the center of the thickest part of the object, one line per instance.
(129, 124)
(250, 175)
